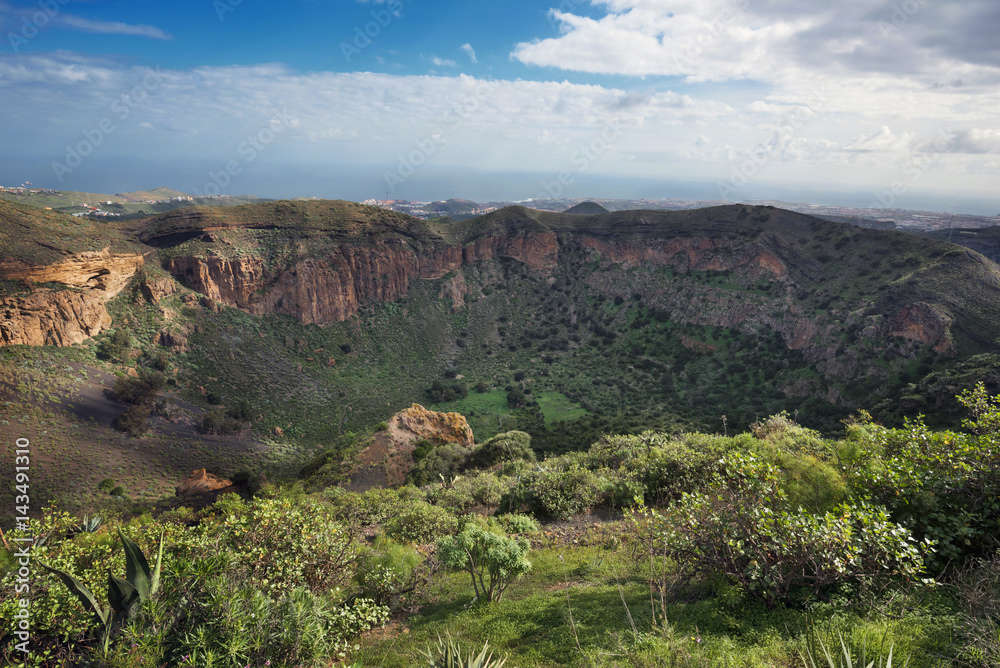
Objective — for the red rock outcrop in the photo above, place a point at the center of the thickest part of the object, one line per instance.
(332, 287)
(202, 481)
(64, 316)
(389, 456)
(922, 322)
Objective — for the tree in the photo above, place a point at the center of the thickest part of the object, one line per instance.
(515, 398)
(492, 560)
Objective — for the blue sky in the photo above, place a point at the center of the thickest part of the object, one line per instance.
(890, 101)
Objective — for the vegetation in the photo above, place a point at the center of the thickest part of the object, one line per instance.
(722, 557)
(657, 481)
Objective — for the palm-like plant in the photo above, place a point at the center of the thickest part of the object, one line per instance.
(140, 584)
(448, 654)
(846, 660)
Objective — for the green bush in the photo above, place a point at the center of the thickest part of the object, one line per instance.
(106, 485)
(138, 390)
(420, 522)
(217, 422)
(944, 486)
(557, 493)
(492, 561)
(115, 346)
(518, 523)
(743, 529)
(370, 508)
(506, 447)
(389, 572)
(441, 462)
(132, 421)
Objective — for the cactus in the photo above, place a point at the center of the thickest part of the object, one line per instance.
(140, 584)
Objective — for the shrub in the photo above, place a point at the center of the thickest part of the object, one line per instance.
(506, 447)
(370, 508)
(382, 426)
(515, 397)
(420, 522)
(217, 422)
(114, 347)
(138, 390)
(744, 529)
(944, 486)
(388, 572)
(106, 485)
(518, 523)
(133, 420)
(442, 461)
(560, 493)
(492, 561)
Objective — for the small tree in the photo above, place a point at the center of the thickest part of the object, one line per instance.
(515, 398)
(493, 561)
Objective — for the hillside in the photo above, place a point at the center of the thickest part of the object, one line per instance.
(586, 208)
(312, 320)
(983, 240)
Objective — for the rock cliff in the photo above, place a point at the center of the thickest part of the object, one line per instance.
(62, 303)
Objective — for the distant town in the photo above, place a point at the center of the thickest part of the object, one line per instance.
(875, 218)
(165, 199)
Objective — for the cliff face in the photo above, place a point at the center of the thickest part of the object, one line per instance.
(331, 287)
(72, 311)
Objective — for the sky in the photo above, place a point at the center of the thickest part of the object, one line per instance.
(890, 103)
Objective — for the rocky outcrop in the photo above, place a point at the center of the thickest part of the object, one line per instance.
(70, 311)
(389, 456)
(416, 423)
(924, 323)
(690, 254)
(332, 286)
(201, 481)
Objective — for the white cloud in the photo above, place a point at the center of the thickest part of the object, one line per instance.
(370, 119)
(111, 27)
(470, 52)
(883, 140)
(442, 62)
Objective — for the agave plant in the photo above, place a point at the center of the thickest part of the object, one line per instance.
(140, 584)
(448, 654)
(847, 660)
(88, 525)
